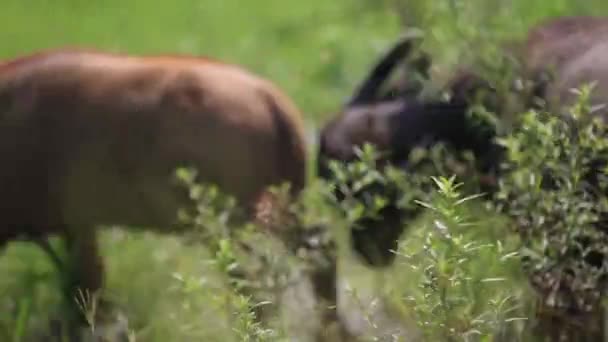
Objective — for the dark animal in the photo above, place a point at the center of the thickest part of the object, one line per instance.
(396, 125)
(90, 138)
(559, 54)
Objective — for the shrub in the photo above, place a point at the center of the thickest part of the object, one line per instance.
(555, 190)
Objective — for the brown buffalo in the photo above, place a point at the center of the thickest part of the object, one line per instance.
(90, 138)
(571, 50)
(557, 40)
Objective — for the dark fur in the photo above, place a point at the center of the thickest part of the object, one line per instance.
(562, 48)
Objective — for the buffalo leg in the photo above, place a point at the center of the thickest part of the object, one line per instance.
(85, 272)
(326, 290)
(323, 275)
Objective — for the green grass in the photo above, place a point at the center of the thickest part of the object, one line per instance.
(316, 50)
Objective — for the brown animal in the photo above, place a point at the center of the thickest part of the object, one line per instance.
(91, 138)
(571, 49)
(575, 59)
(557, 40)
(552, 56)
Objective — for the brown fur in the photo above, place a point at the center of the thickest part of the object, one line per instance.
(575, 59)
(552, 57)
(558, 40)
(90, 138)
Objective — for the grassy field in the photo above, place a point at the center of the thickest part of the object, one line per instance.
(316, 50)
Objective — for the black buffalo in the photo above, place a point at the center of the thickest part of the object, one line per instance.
(557, 55)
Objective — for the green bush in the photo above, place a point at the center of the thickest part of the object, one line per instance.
(555, 190)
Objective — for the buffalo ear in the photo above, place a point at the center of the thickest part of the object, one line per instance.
(368, 89)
